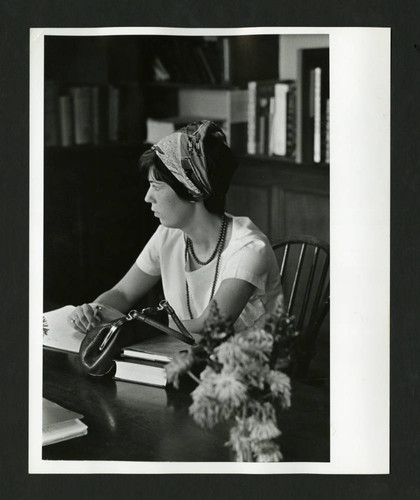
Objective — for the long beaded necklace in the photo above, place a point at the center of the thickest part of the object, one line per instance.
(189, 250)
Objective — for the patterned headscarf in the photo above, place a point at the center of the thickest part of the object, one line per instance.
(183, 155)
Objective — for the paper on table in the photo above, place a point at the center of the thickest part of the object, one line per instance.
(63, 431)
(60, 424)
(52, 413)
(58, 334)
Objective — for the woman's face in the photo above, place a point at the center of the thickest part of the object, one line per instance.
(167, 205)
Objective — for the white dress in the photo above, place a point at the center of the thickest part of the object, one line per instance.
(248, 256)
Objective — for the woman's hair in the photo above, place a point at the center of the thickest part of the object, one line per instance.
(221, 164)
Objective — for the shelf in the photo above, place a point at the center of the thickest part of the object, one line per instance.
(283, 162)
(179, 85)
(95, 147)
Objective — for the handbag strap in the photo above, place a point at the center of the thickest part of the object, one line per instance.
(164, 305)
(184, 335)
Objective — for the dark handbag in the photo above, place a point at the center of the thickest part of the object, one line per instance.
(104, 343)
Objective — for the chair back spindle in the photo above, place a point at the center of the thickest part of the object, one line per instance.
(304, 274)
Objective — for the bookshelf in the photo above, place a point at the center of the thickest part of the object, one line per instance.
(100, 93)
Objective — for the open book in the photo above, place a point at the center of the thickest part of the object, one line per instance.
(60, 424)
(59, 335)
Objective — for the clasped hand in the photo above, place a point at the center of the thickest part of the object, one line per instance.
(87, 316)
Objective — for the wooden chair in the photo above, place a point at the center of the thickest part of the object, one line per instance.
(304, 272)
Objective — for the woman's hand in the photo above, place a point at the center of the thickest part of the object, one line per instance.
(85, 317)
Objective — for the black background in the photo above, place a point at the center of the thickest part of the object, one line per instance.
(16, 17)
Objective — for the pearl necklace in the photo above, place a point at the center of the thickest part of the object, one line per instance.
(189, 250)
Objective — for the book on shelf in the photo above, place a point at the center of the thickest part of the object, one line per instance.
(226, 105)
(113, 109)
(270, 117)
(215, 60)
(60, 424)
(141, 372)
(327, 133)
(312, 96)
(95, 115)
(66, 120)
(82, 113)
(278, 132)
(191, 60)
(284, 120)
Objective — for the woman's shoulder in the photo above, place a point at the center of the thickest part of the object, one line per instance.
(164, 235)
(244, 231)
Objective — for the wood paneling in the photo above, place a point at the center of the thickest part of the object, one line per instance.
(282, 198)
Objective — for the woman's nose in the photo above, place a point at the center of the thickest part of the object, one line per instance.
(148, 197)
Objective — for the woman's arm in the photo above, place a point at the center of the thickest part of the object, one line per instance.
(129, 290)
(231, 298)
(123, 296)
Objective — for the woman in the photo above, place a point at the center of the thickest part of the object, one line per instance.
(200, 253)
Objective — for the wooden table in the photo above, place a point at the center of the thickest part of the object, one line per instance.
(133, 422)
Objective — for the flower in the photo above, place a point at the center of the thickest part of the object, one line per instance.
(180, 364)
(240, 442)
(228, 389)
(230, 354)
(241, 380)
(266, 451)
(280, 386)
(265, 429)
(260, 339)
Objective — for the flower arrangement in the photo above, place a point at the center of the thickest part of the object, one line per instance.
(241, 380)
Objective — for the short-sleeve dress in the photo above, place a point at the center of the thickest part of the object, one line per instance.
(248, 256)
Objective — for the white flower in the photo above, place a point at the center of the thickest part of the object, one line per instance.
(263, 430)
(230, 354)
(276, 456)
(228, 389)
(280, 386)
(205, 410)
(266, 451)
(260, 339)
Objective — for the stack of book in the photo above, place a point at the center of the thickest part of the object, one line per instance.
(291, 119)
(60, 424)
(271, 118)
(144, 363)
(93, 115)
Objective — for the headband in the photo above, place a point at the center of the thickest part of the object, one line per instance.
(183, 155)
